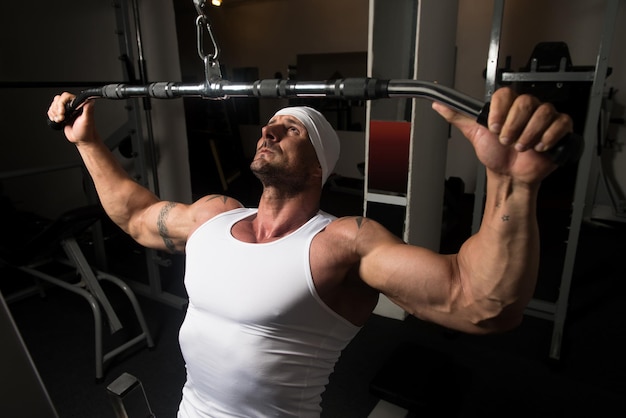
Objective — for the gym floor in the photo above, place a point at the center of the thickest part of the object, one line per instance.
(450, 374)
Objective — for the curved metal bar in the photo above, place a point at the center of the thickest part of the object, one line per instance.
(436, 92)
(346, 88)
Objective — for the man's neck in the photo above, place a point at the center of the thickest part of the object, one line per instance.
(278, 215)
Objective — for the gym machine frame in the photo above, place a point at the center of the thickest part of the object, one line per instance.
(215, 87)
(557, 311)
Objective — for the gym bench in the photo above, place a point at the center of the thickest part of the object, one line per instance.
(38, 251)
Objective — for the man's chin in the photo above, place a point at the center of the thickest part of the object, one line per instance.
(264, 174)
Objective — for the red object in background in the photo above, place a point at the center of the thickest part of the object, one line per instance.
(388, 165)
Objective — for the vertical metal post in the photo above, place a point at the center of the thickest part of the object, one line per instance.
(401, 20)
(582, 176)
(153, 289)
(135, 130)
(490, 87)
(147, 106)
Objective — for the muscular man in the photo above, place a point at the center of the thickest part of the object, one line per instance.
(276, 293)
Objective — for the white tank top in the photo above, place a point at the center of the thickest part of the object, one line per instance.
(257, 339)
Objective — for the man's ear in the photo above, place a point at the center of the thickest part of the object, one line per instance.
(318, 170)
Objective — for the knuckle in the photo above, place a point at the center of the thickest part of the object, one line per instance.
(504, 93)
(565, 121)
(526, 103)
(546, 111)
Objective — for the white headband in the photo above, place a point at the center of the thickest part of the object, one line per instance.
(322, 136)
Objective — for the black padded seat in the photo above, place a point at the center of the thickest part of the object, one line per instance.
(34, 238)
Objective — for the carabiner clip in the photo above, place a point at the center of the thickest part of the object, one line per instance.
(211, 64)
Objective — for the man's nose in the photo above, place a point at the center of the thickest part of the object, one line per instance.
(271, 133)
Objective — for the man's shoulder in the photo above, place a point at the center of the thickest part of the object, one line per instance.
(359, 230)
(346, 226)
(352, 222)
(213, 205)
(221, 202)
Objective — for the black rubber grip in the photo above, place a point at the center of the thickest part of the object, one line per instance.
(267, 88)
(161, 90)
(70, 115)
(74, 108)
(568, 150)
(113, 91)
(361, 88)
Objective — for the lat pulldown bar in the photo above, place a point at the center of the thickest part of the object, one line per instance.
(568, 149)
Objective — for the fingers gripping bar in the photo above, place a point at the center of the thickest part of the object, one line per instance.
(567, 150)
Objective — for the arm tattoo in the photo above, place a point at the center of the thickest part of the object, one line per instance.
(505, 217)
(224, 198)
(162, 226)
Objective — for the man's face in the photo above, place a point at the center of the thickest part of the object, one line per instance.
(284, 154)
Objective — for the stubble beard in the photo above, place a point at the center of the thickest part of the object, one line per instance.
(279, 178)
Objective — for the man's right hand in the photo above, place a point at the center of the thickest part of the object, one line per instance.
(80, 130)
